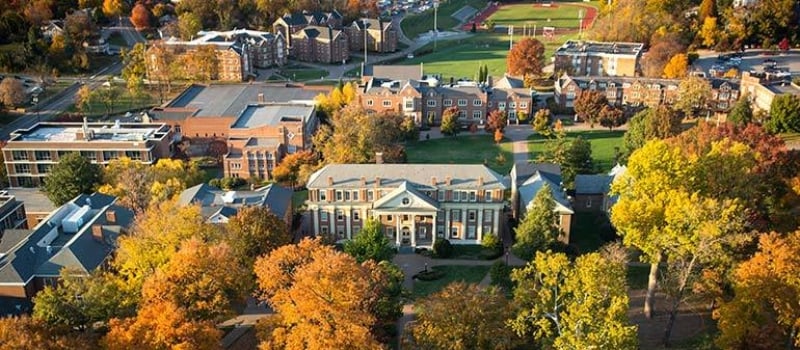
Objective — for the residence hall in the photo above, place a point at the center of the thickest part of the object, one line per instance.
(599, 58)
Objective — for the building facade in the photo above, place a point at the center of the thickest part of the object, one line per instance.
(599, 58)
(762, 89)
(292, 23)
(31, 153)
(320, 44)
(380, 35)
(416, 204)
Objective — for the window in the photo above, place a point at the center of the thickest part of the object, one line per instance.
(431, 103)
(454, 232)
(339, 215)
(42, 155)
(477, 102)
(476, 114)
(487, 230)
(347, 195)
(447, 103)
(487, 215)
(389, 218)
(440, 232)
(487, 196)
(588, 202)
(512, 105)
(43, 168)
(456, 215)
(369, 102)
(405, 217)
(233, 165)
(356, 215)
(406, 201)
(409, 103)
(338, 196)
(387, 103)
(390, 232)
(355, 195)
(90, 155)
(323, 216)
(19, 155)
(462, 101)
(523, 105)
(501, 105)
(324, 230)
(323, 194)
(431, 117)
(471, 232)
(423, 232)
(22, 168)
(134, 155)
(473, 196)
(471, 214)
(440, 195)
(370, 195)
(62, 154)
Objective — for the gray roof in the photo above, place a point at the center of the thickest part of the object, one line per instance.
(211, 199)
(25, 256)
(35, 200)
(592, 184)
(260, 115)
(397, 72)
(393, 175)
(232, 99)
(531, 186)
(524, 170)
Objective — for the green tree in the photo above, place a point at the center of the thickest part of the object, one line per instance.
(255, 231)
(83, 99)
(463, 317)
(449, 125)
(742, 112)
(573, 155)
(134, 69)
(72, 176)
(188, 25)
(541, 122)
(589, 104)
(537, 230)
(693, 95)
(652, 123)
(784, 114)
(370, 244)
(574, 306)
(409, 129)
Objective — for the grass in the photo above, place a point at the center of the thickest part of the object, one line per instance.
(303, 74)
(122, 104)
(469, 149)
(470, 252)
(460, 58)
(588, 232)
(299, 198)
(53, 89)
(468, 274)
(603, 146)
(414, 25)
(563, 16)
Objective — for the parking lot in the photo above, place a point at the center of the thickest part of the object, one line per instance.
(755, 61)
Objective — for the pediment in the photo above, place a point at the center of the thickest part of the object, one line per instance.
(406, 197)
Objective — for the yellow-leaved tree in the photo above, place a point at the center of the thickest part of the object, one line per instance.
(677, 67)
(162, 325)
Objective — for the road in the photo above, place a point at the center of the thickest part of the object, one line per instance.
(125, 27)
(753, 59)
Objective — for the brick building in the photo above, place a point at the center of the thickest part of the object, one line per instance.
(320, 44)
(380, 35)
(292, 23)
(762, 89)
(265, 49)
(415, 203)
(31, 153)
(599, 58)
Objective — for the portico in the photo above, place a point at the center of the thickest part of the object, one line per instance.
(408, 217)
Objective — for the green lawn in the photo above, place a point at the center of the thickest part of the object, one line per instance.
(563, 16)
(603, 146)
(468, 149)
(461, 58)
(414, 25)
(122, 104)
(468, 274)
(303, 74)
(471, 252)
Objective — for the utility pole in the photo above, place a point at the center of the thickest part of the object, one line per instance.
(364, 23)
(435, 23)
(580, 23)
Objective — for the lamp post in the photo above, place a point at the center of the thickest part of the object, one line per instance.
(435, 23)
(364, 24)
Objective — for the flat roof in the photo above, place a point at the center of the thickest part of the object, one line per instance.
(68, 132)
(232, 99)
(783, 88)
(34, 199)
(600, 47)
(259, 115)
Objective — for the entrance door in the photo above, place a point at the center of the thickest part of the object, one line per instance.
(405, 236)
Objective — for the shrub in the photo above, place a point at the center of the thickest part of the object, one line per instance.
(214, 182)
(442, 249)
(229, 183)
(430, 275)
(493, 245)
(501, 275)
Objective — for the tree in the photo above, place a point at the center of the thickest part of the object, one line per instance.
(662, 49)
(188, 25)
(784, 114)
(134, 69)
(573, 155)
(742, 112)
(79, 26)
(463, 316)
(537, 230)
(12, 93)
(709, 33)
(589, 104)
(107, 95)
(203, 63)
(370, 244)
(763, 313)
(693, 95)
(72, 176)
(292, 168)
(677, 67)
(136, 185)
(24, 332)
(37, 12)
(653, 123)
(83, 99)
(162, 326)
(708, 8)
(409, 129)
(322, 298)
(574, 306)
(354, 136)
(498, 136)
(256, 231)
(449, 125)
(772, 19)
(541, 122)
(496, 120)
(611, 117)
(526, 57)
(141, 16)
(80, 301)
(113, 8)
(155, 238)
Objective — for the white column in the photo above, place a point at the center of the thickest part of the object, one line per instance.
(433, 230)
(413, 230)
(398, 236)
(315, 220)
(447, 224)
(479, 227)
(347, 218)
(497, 220)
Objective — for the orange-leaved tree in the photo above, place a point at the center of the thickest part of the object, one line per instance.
(162, 325)
(526, 58)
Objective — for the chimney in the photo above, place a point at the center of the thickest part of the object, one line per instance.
(433, 181)
(111, 216)
(378, 157)
(330, 180)
(480, 181)
(97, 232)
(377, 181)
(447, 181)
(363, 181)
(260, 97)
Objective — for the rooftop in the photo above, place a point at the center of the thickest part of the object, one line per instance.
(258, 115)
(214, 201)
(597, 47)
(392, 175)
(35, 200)
(232, 99)
(394, 72)
(71, 132)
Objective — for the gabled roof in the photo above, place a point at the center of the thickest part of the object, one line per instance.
(531, 186)
(416, 199)
(592, 184)
(462, 176)
(508, 82)
(214, 201)
(524, 170)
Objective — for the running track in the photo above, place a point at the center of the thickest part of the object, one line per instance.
(480, 17)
